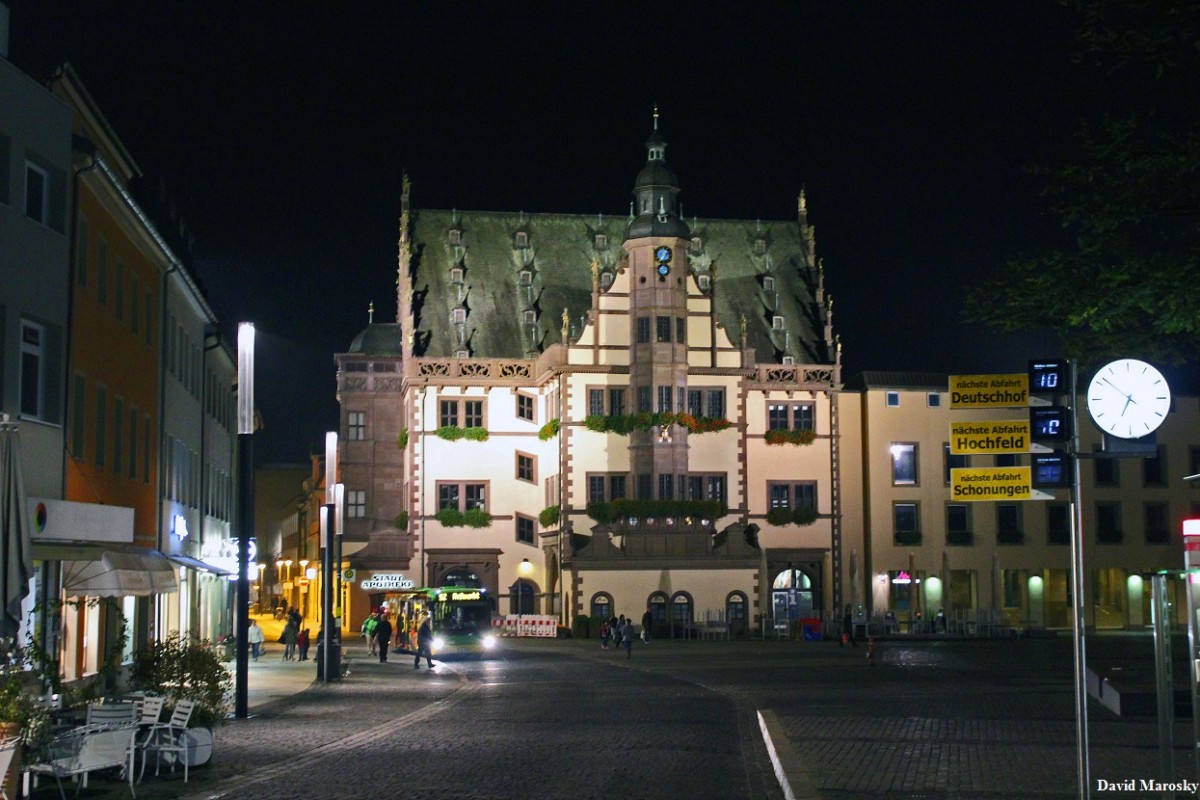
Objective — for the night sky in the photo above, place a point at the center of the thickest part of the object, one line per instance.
(283, 132)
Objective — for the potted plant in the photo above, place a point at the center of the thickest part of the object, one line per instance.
(22, 714)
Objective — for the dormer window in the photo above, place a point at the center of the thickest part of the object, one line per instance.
(456, 275)
(458, 316)
(789, 359)
(454, 236)
(777, 323)
(657, 153)
(462, 354)
(601, 241)
(525, 278)
(760, 247)
(697, 244)
(704, 281)
(530, 317)
(606, 279)
(521, 239)
(768, 284)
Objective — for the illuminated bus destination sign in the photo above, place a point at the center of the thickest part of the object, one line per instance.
(989, 436)
(989, 391)
(459, 597)
(387, 581)
(982, 484)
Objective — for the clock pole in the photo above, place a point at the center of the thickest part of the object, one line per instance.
(1077, 618)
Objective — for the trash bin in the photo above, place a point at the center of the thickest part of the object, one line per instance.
(335, 660)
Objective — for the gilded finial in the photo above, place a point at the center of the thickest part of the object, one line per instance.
(566, 319)
(371, 313)
(743, 327)
(803, 201)
(656, 116)
(595, 274)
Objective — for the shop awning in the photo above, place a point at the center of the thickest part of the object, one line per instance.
(197, 564)
(111, 570)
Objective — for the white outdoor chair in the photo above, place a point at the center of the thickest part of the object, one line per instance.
(170, 738)
(8, 747)
(149, 710)
(111, 713)
(86, 749)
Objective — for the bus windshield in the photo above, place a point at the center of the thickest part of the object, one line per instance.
(457, 618)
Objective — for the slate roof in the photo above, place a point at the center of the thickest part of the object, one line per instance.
(558, 255)
(898, 380)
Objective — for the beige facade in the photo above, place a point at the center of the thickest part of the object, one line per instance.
(1007, 562)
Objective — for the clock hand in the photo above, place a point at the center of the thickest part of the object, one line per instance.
(1119, 391)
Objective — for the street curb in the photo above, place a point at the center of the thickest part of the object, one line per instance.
(794, 783)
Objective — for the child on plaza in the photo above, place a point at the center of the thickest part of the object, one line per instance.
(302, 644)
(604, 634)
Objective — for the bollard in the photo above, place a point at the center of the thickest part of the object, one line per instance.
(871, 651)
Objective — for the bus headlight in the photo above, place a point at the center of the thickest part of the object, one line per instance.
(438, 643)
(489, 641)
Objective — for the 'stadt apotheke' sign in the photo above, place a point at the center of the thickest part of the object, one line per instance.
(386, 581)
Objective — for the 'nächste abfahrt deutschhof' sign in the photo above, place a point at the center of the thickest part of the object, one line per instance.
(989, 391)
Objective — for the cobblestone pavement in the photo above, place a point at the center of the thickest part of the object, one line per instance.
(944, 720)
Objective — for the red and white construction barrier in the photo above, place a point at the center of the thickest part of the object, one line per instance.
(526, 625)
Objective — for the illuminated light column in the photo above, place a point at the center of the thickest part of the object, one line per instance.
(245, 519)
(339, 502)
(327, 577)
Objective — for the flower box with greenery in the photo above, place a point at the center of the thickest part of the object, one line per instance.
(472, 518)
(780, 436)
(549, 516)
(402, 439)
(452, 433)
(549, 430)
(401, 521)
(626, 423)
(804, 515)
(625, 508)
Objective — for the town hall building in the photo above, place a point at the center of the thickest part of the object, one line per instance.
(600, 415)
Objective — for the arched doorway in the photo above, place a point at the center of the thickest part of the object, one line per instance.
(791, 595)
(602, 605)
(735, 613)
(522, 597)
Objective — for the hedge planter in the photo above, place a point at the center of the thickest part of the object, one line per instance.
(452, 433)
(790, 437)
(625, 424)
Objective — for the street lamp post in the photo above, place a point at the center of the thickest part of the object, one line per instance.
(245, 420)
(327, 577)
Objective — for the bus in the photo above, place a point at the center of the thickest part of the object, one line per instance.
(461, 617)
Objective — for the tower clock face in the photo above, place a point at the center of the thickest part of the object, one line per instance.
(662, 254)
(1128, 398)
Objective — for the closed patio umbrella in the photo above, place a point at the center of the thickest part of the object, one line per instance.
(15, 547)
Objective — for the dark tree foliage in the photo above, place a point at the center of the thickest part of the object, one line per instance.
(1127, 284)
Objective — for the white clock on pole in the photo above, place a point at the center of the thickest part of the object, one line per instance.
(1128, 398)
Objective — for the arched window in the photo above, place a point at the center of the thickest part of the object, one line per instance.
(602, 605)
(792, 594)
(681, 608)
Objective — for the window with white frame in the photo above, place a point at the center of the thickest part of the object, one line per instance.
(892, 399)
(37, 193)
(521, 239)
(356, 503)
(33, 370)
(356, 425)
(458, 316)
(704, 281)
(777, 322)
(904, 463)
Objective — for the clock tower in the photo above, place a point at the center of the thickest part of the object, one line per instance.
(656, 243)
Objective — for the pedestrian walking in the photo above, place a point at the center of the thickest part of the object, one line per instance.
(627, 637)
(255, 638)
(647, 622)
(383, 635)
(424, 643)
(604, 634)
(368, 630)
(302, 644)
(848, 629)
(291, 632)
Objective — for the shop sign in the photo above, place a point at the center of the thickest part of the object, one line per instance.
(387, 581)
